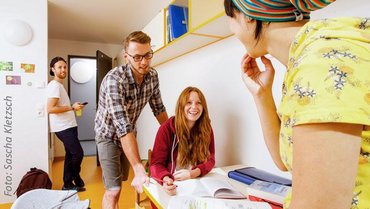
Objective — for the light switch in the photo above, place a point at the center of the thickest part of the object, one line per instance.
(40, 110)
(40, 84)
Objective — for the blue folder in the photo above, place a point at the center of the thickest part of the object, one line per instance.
(249, 174)
(178, 18)
(240, 177)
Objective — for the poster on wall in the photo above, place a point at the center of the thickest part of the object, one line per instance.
(6, 66)
(13, 80)
(28, 68)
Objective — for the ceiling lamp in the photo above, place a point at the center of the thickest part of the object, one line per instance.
(81, 72)
(17, 32)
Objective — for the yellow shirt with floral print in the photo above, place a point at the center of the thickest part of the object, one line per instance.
(328, 80)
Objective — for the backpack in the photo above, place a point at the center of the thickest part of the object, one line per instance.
(34, 179)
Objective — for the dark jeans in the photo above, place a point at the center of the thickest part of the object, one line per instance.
(74, 154)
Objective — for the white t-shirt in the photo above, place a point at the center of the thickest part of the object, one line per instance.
(60, 121)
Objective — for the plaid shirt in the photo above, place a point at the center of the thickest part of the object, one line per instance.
(121, 101)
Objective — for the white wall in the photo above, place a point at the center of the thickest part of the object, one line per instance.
(26, 144)
(216, 71)
(234, 117)
(344, 8)
(64, 48)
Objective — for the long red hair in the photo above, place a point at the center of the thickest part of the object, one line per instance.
(193, 147)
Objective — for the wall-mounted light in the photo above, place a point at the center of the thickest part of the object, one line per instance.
(81, 72)
(17, 32)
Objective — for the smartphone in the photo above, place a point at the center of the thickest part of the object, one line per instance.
(85, 103)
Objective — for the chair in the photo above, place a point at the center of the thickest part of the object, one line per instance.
(147, 167)
(46, 199)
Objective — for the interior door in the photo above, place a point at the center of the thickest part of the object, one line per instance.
(81, 88)
(103, 66)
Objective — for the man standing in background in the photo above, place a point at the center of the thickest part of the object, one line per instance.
(63, 123)
(124, 92)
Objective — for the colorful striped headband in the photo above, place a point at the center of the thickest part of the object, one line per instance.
(280, 10)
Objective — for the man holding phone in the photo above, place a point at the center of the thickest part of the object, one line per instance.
(63, 123)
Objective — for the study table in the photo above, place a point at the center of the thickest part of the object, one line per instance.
(160, 198)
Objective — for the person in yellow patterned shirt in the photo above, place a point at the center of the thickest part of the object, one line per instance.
(321, 130)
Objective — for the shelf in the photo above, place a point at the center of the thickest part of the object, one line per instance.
(207, 26)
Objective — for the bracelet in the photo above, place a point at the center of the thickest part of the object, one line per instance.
(72, 108)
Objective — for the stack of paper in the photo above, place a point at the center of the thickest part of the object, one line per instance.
(263, 186)
(268, 192)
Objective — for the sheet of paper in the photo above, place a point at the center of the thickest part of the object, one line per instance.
(186, 187)
(191, 187)
(185, 202)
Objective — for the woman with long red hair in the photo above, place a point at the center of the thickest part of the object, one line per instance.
(184, 146)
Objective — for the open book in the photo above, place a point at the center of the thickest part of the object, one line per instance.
(208, 187)
(182, 202)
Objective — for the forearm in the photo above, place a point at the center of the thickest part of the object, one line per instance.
(159, 171)
(162, 117)
(270, 124)
(129, 146)
(160, 154)
(59, 109)
(194, 173)
(207, 166)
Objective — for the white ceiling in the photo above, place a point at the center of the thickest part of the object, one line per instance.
(103, 21)
(109, 21)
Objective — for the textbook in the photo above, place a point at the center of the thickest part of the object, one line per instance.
(186, 202)
(248, 175)
(208, 187)
(268, 192)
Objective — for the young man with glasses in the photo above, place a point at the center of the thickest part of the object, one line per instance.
(124, 92)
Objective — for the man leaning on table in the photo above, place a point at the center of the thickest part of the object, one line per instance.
(124, 92)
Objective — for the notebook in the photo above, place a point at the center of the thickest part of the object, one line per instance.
(251, 173)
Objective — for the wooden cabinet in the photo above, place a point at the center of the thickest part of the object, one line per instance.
(207, 24)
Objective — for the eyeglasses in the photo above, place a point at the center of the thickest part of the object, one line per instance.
(138, 58)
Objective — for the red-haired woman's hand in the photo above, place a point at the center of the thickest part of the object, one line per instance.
(168, 186)
(182, 175)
